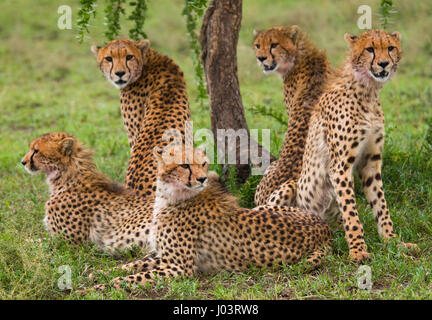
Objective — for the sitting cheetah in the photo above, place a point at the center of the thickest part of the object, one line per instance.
(84, 205)
(153, 100)
(198, 226)
(346, 133)
(305, 71)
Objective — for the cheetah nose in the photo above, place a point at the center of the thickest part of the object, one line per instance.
(383, 64)
(23, 162)
(261, 58)
(202, 179)
(120, 73)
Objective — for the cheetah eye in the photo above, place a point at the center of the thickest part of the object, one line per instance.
(185, 166)
(129, 57)
(390, 48)
(257, 46)
(109, 59)
(370, 49)
(205, 162)
(35, 151)
(274, 45)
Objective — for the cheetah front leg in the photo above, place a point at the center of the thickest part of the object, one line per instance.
(285, 195)
(370, 174)
(170, 261)
(342, 181)
(148, 262)
(161, 269)
(267, 181)
(315, 258)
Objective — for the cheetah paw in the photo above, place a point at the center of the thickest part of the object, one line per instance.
(99, 287)
(410, 246)
(413, 249)
(359, 256)
(92, 275)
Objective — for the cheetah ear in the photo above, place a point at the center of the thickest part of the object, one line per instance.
(294, 31)
(95, 49)
(255, 33)
(143, 45)
(67, 146)
(397, 35)
(201, 150)
(157, 153)
(349, 38)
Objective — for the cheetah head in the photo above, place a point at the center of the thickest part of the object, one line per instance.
(122, 60)
(275, 48)
(374, 55)
(183, 174)
(51, 154)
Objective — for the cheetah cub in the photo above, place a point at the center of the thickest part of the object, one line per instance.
(153, 103)
(84, 205)
(305, 72)
(346, 134)
(197, 226)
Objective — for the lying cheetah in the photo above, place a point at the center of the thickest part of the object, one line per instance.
(346, 133)
(153, 100)
(198, 226)
(84, 205)
(305, 70)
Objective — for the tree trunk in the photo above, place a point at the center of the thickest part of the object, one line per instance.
(219, 37)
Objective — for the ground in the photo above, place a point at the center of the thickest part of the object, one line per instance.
(50, 82)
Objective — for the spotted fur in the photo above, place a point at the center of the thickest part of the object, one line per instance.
(153, 100)
(84, 205)
(305, 72)
(347, 133)
(200, 228)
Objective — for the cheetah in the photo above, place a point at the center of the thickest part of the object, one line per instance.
(153, 100)
(84, 205)
(347, 132)
(197, 226)
(305, 70)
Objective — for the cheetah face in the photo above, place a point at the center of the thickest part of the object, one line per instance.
(49, 154)
(189, 175)
(29, 161)
(121, 61)
(275, 49)
(375, 55)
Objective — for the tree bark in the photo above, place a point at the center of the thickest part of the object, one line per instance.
(219, 37)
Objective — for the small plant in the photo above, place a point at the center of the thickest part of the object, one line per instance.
(386, 10)
(87, 10)
(138, 16)
(193, 12)
(279, 116)
(113, 11)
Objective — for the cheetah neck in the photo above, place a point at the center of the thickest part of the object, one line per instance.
(167, 194)
(307, 79)
(81, 178)
(361, 81)
(170, 194)
(151, 79)
(366, 92)
(302, 88)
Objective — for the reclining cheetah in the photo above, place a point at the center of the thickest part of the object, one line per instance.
(346, 133)
(84, 205)
(198, 226)
(305, 71)
(153, 100)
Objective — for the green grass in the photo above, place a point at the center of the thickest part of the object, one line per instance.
(49, 82)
